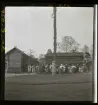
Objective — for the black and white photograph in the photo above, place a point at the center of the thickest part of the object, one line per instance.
(49, 53)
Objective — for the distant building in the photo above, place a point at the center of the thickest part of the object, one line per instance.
(65, 58)
(49, 51)
(89, 64)
(18, 60)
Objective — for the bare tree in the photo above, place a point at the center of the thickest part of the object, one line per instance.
(68, 44)
(42, 59)
(31, 53)
(41, 56)
(91, 50)
(85, 48)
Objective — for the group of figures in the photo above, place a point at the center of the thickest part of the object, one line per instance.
(33, 68)
(67, 68)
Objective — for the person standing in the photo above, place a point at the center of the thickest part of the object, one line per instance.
(57, 69)
(60, 69)
(32, 69)
(29, 68)
(66, 66)
(73, 68)
(70, 69)
(80, 68)
(46, 68)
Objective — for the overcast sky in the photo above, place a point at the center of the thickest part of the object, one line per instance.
(32, 27)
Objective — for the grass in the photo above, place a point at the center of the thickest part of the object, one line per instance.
(67, 87)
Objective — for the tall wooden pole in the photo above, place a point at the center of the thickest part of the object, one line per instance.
(55, 34)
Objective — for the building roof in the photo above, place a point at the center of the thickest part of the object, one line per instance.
(31, 61)
(15, 48)
(66, 54)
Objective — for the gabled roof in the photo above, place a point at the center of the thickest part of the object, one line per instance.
(66, 54)
(15, 48)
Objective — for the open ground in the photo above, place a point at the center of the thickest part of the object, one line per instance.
(45, 87)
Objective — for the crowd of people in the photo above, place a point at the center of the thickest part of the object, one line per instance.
(67, 68)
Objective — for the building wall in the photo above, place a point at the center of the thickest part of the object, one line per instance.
(24, 63)
(14, 61)
(64, 59)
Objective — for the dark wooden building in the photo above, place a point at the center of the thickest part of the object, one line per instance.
(18, 61)
(65, 58)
